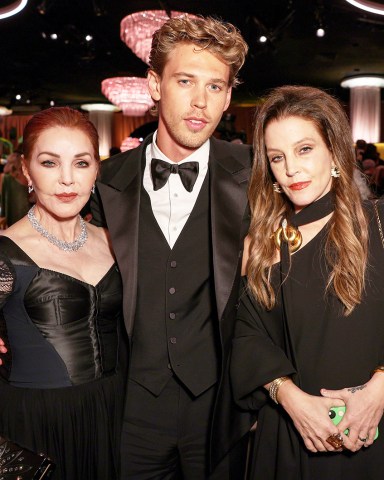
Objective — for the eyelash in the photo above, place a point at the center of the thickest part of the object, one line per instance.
(47, 163)
(84, 164)
(50, 163)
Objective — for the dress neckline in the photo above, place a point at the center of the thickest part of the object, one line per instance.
(79, 280)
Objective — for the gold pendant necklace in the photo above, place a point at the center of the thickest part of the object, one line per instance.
(288, 234)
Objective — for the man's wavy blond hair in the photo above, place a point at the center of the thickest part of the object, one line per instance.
(222, 39)
(346, 244)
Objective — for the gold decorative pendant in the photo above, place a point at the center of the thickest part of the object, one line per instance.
(290, 235)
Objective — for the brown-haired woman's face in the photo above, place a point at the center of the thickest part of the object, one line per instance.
(62, 170)
(299, 159)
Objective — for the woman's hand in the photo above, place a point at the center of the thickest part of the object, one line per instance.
(364, 409)
(310, 415)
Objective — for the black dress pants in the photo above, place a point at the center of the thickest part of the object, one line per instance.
(167, 437)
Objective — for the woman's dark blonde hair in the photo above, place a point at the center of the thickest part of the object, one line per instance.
(346, 244)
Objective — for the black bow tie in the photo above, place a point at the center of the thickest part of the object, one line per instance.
(161, 170)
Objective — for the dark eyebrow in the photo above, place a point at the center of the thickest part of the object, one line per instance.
(58, 156)
(190, 75)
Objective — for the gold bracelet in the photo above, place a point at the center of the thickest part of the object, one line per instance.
(274, 387)
(378, 369)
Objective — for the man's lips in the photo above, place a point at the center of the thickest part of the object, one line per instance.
(299, 185)
(66, 197)
(196, 123)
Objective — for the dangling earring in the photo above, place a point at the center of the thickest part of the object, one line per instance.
(335, 172)
(93, 189)
(30, 188)
(276, 187)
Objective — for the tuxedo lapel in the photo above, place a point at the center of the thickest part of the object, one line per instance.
(229, 180)
(120, 196)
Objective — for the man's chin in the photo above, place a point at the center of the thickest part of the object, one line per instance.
(193, 141)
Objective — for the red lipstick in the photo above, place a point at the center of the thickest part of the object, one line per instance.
(299, 185)
(66, 197)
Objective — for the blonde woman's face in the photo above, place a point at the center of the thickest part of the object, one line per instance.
(299, 159)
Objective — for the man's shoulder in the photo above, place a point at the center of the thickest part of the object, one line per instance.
(243, 153)
(111, 166)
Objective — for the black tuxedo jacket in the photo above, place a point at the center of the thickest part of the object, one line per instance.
(117, 205)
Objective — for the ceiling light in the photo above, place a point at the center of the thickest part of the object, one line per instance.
(99, 107)
(320, 32)
(128, 93)
(372, 7)
(88, 38)
(12, 9)
(53, 36)
(136, 30)
(363, 81)
(263, 39)
(18, 97)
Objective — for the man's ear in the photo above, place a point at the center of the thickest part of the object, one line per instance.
(228, 99)
(154, 85)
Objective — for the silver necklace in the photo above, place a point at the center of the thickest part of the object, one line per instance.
(63, 245)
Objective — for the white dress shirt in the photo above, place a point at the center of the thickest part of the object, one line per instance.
(172, 204)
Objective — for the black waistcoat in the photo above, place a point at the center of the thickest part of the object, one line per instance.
(176, 326)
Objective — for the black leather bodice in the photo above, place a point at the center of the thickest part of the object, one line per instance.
(59, 330)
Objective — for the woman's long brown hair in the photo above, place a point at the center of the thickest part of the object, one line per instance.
(346, 245)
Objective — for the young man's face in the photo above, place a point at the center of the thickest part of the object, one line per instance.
(193, 92)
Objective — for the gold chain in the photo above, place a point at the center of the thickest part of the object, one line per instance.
(379, 222)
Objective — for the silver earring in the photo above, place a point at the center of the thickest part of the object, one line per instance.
(93, 189)
(30, 188)
(276, 187)
(335, 172)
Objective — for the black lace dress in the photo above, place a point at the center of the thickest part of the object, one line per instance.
(329, 351)
(61, 386)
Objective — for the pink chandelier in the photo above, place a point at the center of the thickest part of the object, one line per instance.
(136, 29)
(128, 93)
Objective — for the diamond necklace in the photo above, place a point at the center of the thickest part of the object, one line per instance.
(63, 245)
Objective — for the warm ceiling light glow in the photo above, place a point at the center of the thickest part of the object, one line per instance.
(128, 93)
(136, 30)
(363, 81)
(5, 111)
(99, 107)
(12, 9)
(372, 7)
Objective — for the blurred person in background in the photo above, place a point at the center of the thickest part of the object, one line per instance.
(15, 198)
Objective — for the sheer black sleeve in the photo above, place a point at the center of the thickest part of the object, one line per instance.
(7, 279)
